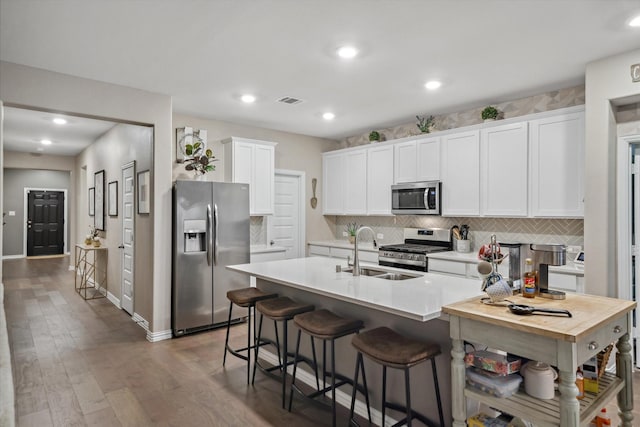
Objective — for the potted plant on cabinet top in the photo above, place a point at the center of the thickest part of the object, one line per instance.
(374, 136)
(489, 113)
(425, 124)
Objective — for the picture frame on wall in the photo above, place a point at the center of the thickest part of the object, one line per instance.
(112, 190)
(98, 182)
(92, 199)
(144, 192)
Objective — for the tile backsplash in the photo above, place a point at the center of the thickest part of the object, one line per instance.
(508, 230)
(257, 229)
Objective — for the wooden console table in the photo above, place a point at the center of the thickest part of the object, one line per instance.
(90, 275)
(559, 341)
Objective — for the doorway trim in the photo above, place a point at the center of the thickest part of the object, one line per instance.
(26, 215)
(623, 226)
(302, 219)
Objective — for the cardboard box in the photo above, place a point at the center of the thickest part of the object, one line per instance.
(590, 373)
(493, 362)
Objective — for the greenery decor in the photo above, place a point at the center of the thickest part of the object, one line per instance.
(490, 113)
(351, 228)
(198, 159)
(374, 135)
(425, 124)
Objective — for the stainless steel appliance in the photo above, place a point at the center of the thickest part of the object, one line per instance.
(418, 243)
(543, 257)
(416, 198)
(210, 231)
(517, 254)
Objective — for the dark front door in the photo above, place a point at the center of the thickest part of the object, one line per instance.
(45, 223)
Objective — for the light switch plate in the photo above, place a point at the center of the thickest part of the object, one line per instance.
(380, 236)
(12, 213)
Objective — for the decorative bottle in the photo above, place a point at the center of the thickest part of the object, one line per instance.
(529, 280)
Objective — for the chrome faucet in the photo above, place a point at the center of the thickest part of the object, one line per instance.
(356, 257)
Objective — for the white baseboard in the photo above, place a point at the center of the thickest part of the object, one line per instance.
(342, 398)
(13, 256)
(141, 321)
(114, 300)
(159, 336)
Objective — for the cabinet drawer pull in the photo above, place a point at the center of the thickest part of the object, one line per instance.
(592, 345)
(617, 329)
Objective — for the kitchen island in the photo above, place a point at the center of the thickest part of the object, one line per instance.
(411, 307)
(559, 341)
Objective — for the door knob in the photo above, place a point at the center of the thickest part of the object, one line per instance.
(121, 247)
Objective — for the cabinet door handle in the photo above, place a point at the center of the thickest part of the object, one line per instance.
(617, 329)
(592, 345)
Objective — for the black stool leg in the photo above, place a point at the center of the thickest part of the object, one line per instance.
(315, 362)
(435, 382)
(355, 389)
(407, 387)
(295, 365)
(275, 328)
(249, 345)
(384, 392)
(366, 388)
(284, 362)
(333, 381)
(226, 341)
(324, 364)
(255, 362)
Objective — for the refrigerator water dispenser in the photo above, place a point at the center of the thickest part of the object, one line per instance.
(195, 233)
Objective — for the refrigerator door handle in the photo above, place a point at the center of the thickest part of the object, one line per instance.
(209, 235)
(215, 242)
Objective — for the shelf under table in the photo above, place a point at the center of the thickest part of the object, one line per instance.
(547, 412)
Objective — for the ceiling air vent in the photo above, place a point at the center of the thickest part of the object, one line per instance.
(289, 100)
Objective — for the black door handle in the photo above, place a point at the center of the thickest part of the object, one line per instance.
(121, 247)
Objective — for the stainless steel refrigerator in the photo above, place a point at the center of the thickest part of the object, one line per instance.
(210, 231)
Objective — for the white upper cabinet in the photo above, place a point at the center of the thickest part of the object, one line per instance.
(333, 177)
(379, 179)
(503, 170)
(355, 185)
(556, 159)
(417, 160)
(252, 162)
(461, 174)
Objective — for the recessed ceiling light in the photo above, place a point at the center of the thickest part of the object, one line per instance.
(59, 121)
(248, 98)
(45, 142)
(328, 116)
(635, 22)
(433, 84)
(347, 52)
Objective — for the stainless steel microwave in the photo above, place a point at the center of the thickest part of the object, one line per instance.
(416, 198)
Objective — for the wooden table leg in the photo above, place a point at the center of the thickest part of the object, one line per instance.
(458, 377)
(569, 405)
(623, 370)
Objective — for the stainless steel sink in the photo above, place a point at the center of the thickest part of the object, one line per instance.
(382, 274)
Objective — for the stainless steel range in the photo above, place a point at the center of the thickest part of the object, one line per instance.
(418, 243)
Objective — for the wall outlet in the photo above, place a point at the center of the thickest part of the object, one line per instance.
(12, 213)
(574, 249)
(344, 234)
(380, 236)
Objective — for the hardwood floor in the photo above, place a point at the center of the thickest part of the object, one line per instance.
(78, 363)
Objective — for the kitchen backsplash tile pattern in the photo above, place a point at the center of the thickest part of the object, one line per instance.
(257, 229)
(547, 101)
(509, 230)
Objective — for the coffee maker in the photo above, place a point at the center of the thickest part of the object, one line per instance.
(543, 256)
(517, 253)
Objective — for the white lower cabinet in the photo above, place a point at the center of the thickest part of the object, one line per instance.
(566, 282)
(342, 253)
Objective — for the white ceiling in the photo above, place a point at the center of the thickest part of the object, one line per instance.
(206, 53)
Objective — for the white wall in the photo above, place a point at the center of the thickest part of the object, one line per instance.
(22, 86)
(607, 80)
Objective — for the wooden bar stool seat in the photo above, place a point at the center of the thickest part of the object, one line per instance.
(390, 349)
(280, 309)
(245, 297)
(327, 326)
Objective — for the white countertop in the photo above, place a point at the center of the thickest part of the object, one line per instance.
(472, 257)
(364, 246)
(261, 249)
(420, 299)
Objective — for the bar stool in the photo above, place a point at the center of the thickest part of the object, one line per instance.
(390, 349)
(280, 309)
(327, 326)
(245, 297)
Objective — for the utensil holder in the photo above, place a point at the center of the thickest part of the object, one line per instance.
(463, 246)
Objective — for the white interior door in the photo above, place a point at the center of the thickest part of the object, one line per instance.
(127, 246)
(287, 226)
